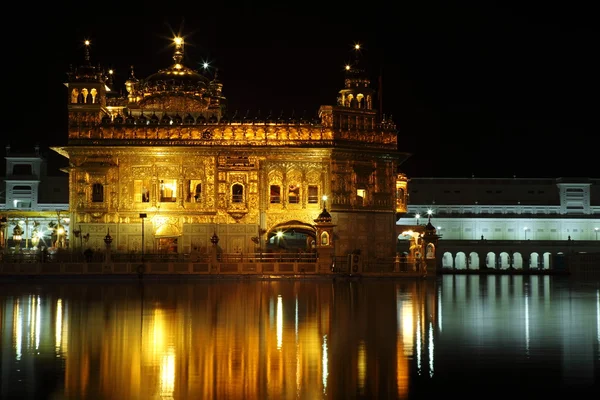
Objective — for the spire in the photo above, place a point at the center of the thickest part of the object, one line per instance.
(178, 55)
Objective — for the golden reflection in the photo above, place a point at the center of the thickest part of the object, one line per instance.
(279, 322)
(58, 326)
(254, 339)
(362, 366)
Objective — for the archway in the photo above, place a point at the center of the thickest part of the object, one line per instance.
(291, 237)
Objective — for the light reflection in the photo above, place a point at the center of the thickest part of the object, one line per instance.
(408, 326)
(526, 320)
(325, 364)
(418, 346)
(279, 322)
(38, 323)
(167, 374)
(58, 325)
(430, 350)
(18, 329)
(362, 366)
(598, 316)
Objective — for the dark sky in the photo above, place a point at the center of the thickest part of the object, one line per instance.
(488, 89)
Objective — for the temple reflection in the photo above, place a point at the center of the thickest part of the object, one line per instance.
(267, 339)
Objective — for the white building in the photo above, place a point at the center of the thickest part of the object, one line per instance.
(516, 222)
(33, 205)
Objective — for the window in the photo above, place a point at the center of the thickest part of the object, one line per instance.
(360, 196)
(237, 193)
(194, 191)
(141, 190)
(324, 239)
(168, 191)
(97, 193)
(294, 194)
(275, 194)
(313, 194)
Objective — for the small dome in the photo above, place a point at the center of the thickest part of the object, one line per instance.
(118, 119)
(130, 120)
(201, 120)
(142, 119)
(106, 119)
(165, 120)
(154, 119)
(324, 216)
(189, 120)
(177, 119)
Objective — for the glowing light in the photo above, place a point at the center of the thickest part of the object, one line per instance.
(205, 65)
(178, 40)
(429, 212)
(325, 199)
(357, 46)
(279, 234)
(87, 42)
(347, 68)
(110, 72)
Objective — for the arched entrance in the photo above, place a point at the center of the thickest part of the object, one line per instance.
(291, 237)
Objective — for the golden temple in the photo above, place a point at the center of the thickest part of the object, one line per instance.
(166, 168)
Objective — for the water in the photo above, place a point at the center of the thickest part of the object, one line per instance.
(465, 336)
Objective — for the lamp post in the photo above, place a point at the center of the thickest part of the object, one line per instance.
(17, 237)
(143, 217)
(525, 230)
(324, 198)
(417, 216)
(596, 230)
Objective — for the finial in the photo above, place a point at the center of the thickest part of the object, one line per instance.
(132, 76)
(178, 56)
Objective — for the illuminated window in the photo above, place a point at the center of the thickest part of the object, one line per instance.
(313, 194)
(294, 194)
(168, 191)
(194, 191)
(324, 239)
(97, 193)
(141, 190)
(275, 194)
(360, 196)
(237, 193)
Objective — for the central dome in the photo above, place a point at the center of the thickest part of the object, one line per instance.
(176, 78)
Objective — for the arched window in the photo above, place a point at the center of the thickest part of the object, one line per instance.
(324, 239)
(97, 193)
(237, 193)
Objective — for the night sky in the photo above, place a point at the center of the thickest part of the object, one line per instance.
(484, 90)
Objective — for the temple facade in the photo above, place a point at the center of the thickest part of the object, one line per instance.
(166, 168)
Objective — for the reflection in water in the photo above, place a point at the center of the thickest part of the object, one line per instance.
(313, 339)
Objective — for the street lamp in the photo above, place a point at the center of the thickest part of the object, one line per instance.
(417, 216)
(596, 230)
(324, 198)
(525, 230)
(143, 217)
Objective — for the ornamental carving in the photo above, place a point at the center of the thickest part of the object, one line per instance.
(172, 103)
